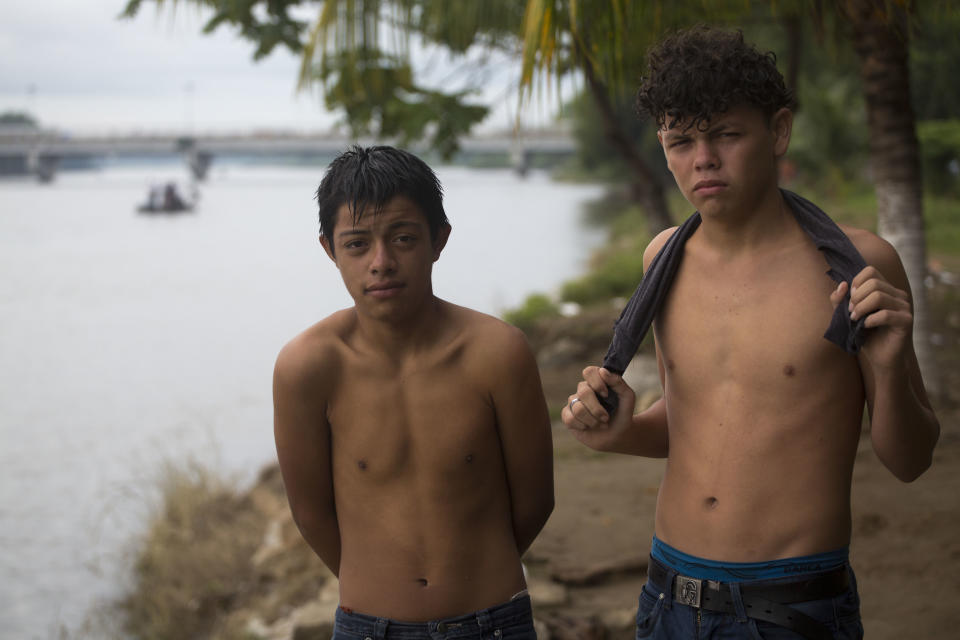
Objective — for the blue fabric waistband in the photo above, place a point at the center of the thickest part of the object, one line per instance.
(695, 567)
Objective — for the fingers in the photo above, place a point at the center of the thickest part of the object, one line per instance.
(583, 410)
(836, 296)
(876, 299)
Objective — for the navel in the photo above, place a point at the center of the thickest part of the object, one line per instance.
(711, 503)
(788, 370)
(469, 458)
(362, 465)
(421, 581)
(671, 365)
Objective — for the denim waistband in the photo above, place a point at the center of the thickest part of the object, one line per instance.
(466, 626)
(704, 569)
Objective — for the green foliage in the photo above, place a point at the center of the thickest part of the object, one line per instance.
(535, 308)
(943, 224)
(380, 98)
(266, 23)
(829, 140)
(359, 52)
(940, 155)
(596, 157)
(934, 54)
(616, 275)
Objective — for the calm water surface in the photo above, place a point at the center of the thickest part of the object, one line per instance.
(127, 341)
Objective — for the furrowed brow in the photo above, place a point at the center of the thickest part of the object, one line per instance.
(675, 136)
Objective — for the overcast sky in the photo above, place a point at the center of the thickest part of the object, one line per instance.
(76, 67)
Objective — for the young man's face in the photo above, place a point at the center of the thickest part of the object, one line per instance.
(386, 259)
(732, 165)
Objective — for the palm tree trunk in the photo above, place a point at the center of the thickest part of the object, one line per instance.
(881, 40)
(645, 188)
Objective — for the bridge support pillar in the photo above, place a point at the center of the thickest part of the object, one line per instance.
(43, 165)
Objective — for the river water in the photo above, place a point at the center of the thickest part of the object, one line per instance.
(128, 341)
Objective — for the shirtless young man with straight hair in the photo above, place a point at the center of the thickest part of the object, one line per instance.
(412, 434)
(761, 415)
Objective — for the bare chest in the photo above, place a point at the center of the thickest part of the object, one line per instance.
(437, 424)
(760, 326)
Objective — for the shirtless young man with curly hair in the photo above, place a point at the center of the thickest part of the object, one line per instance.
(760, 416)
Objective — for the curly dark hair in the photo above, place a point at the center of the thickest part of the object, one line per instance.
(703, 71)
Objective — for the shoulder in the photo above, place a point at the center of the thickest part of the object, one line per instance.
(490, 342)
(656, 244)
(491, 333)
(314, 355)
(877, 253)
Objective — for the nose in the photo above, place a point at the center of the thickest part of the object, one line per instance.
(383, 260)
(705, 156)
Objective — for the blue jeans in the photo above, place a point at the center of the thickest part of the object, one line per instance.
(511, 620)
(661, 617)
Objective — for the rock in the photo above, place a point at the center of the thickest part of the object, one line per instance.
(601, 572)
(543, 631)
(617, 619)
(642, 374)
(646, 399)
(562, 351)
(562, 627)
(272, 542)
(546, 593)
(314, 621)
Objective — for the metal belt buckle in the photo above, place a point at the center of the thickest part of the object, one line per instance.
(687, 590)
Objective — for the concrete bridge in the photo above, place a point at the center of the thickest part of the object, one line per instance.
(43, 153)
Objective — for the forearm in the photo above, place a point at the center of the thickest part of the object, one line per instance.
(528, 523)
(904, 430)
(646, 435)
(323, 536)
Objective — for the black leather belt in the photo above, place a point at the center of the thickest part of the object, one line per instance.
(765, 602)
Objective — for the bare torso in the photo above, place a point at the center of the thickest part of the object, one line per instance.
(764, 413)
(419, 479)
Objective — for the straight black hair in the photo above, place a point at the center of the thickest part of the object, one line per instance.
(367, 178)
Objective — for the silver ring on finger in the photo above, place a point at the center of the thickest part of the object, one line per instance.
(571, 403)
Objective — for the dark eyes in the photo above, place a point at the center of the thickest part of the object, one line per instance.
(402, 239)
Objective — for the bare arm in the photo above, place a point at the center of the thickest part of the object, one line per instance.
(302, 436)
(904, 429)
(643, 434)
(525, 437)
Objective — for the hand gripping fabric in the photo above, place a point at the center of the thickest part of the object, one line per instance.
(843, 258)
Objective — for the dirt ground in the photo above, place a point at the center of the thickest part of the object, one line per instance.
(905, 548)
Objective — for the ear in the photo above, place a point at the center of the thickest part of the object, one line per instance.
(443, 234)
(782, 125)
(325, 242)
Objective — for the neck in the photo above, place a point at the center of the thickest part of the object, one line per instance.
(765, 224)
(400, 338)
